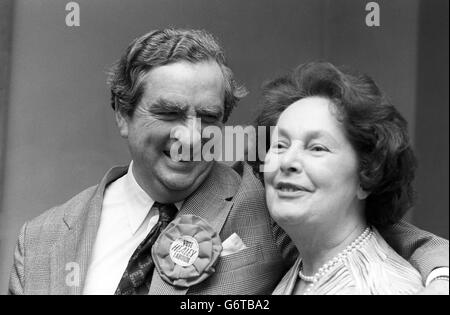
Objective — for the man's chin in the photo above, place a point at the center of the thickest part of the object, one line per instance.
(176, 182)
(182, 182)
(178, 186)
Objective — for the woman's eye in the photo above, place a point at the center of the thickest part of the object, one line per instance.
(278, 146)
(319, 148)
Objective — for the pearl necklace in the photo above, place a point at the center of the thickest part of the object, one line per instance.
(356, 244)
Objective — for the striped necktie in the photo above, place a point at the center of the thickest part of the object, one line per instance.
(138, 275)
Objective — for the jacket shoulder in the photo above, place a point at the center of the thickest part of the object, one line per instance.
(250, 186)
(54, 216)
(73, 208)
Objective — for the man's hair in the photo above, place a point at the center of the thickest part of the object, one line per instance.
(374, 127)
(162, 47)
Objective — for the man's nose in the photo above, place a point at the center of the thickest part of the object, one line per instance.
(188, 134)
(291, 161)
(191, 136)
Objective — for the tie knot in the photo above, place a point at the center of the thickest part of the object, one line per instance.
(167, 211)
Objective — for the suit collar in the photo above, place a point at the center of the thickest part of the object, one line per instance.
(221, 183)
(94, 205)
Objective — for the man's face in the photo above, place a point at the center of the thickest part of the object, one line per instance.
(175, 95)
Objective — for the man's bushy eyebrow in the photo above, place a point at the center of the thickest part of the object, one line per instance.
(168, 106)
(210, 111)
(163, 105)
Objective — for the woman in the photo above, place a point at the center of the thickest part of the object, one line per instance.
(339, 166)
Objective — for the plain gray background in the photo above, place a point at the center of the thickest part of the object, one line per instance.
(58, 130)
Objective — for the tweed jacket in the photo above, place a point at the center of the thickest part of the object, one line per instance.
(53, 251)
(63, 237)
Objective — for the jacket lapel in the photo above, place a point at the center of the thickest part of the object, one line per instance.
(212, 202)
(70, 256)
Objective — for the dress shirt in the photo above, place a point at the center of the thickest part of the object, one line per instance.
(125, 221)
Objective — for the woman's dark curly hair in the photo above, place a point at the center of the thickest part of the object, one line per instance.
(374, 127)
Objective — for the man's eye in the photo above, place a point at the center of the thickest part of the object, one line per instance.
(210, 118)
(168, 115)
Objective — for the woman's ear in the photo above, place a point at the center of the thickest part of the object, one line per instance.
(122, 123)
(361, 193)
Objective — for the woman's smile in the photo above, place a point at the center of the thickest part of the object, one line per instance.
(286, 189)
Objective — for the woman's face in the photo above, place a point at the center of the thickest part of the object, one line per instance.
(311, 168)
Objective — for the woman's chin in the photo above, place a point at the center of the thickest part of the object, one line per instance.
(288, 217)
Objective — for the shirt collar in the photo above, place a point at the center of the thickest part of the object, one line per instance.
(138, 201)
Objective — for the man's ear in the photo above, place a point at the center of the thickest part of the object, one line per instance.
(361, 193)
(122, 123)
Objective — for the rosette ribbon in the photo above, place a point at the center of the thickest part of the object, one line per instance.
(186, 252)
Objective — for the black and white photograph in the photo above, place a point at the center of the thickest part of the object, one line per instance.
(228, 148)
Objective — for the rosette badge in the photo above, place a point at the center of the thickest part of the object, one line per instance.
(186, 251)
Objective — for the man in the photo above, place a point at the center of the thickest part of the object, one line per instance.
(109, 238)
